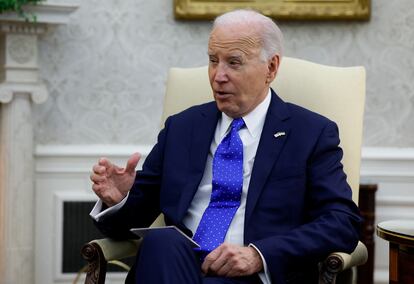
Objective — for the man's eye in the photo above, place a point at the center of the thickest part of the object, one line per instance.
(235, 63)
(213, 60)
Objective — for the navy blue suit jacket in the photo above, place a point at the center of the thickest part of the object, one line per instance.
(299, 206)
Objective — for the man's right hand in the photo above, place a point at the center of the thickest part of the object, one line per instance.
(112, 183)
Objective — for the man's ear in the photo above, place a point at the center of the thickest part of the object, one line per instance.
(273, 66)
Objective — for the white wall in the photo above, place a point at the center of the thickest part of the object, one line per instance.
(106, 69)
(393, 170)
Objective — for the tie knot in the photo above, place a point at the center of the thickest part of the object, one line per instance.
(237, 124)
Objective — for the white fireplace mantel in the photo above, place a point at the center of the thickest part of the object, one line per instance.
(46, 13)
(20, 87)
(19, 48)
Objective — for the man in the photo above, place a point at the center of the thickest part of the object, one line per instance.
(257, 182)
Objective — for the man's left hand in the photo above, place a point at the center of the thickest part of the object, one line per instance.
(230, 260)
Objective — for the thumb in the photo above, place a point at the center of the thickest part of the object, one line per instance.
(132, 163)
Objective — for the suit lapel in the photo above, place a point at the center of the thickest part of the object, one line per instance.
(203, 129)
(268, 150)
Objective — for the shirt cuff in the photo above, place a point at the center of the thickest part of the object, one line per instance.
(264, 276)
(96, 213)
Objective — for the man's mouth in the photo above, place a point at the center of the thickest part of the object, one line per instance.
(222, 94)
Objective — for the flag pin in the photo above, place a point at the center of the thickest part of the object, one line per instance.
(279, 134)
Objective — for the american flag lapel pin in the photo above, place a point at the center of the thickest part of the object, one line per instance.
(279, 134)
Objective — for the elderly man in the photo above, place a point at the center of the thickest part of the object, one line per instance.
(256, 182)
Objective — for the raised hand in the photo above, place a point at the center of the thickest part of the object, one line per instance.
(112, 183)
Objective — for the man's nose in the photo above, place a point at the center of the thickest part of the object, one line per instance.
(221, 74)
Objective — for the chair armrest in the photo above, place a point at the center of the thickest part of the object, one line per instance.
(114, 250)
(339, 261)
(98, 252)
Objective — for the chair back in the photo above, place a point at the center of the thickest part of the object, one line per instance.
(335, 92)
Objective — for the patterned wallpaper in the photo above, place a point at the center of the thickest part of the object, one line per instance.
(106, 70)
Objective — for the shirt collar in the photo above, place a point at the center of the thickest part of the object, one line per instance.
(254, 120)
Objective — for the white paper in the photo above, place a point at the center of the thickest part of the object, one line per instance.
(143, 231)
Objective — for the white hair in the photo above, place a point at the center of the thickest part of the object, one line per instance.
(270, 34)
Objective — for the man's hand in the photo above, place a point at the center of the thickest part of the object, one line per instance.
(232, 261)
(112, 183)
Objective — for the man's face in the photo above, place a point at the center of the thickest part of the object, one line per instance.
(238, 76)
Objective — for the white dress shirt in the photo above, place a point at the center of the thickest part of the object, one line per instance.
(250, 136)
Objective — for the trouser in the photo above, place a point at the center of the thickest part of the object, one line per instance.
(166, 257)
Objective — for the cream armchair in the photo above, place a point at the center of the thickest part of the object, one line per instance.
(335, 92)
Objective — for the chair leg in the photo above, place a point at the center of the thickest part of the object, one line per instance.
(96, 271)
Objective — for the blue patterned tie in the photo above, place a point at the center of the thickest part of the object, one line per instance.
(226, 193)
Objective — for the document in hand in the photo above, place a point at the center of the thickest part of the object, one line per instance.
(143, 231)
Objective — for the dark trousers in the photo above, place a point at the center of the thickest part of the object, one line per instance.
(166, 257)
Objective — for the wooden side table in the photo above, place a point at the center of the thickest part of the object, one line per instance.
(400, 234)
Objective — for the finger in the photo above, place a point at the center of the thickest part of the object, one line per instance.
(97, 188)
(99, 169)
(97, 178)
(219, 262)
(227, 255)
(209, 259)
(104, 162)
(227, 270)
(132, 163)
